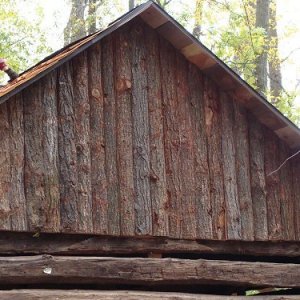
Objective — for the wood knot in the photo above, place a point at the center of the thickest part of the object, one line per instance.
(86, 107)
(208, 116)
(153, 177)
(123, 84)
(96, 93)
(79, 149)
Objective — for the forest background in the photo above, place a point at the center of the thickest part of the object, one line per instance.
(258, 39)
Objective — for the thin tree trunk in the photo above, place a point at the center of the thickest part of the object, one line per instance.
(92, 18)
(163, 3)
(131, 4)
(262, 21)
(198, 18)
(75, 28)
(274, 61)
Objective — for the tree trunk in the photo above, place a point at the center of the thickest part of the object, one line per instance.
(262, 21)
(75, 28)
(274, 61)
(92, 18)
(198, 18)
(163, 3)
(131, 4)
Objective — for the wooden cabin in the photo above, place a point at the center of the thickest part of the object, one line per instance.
(137, 141)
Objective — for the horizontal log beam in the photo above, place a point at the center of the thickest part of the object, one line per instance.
(114, 295)
(49, 269)
(25, 243)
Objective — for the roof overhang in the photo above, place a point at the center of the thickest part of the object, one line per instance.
(191, 48)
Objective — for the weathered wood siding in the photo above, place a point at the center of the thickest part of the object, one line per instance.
(129, 138)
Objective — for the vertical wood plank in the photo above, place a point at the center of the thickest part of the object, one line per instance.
(67, 150)
(140, 115)
(124, 130)
(158, 181)
(82, 139)
(41, 152)
(186, 150)
(171, 136)
(296, 194)
(201, 168)
(272, 185)
(33, 172)
(97, 141)
(17, 196)
(257, 177)
(5, 184)
(243, 171)
(286, 198)
(110, 136)
(233, 214)
(213, 122)
(50, 149)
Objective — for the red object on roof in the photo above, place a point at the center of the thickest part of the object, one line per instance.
(2, 64)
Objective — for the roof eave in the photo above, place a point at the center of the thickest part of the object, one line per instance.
(196, 53)
(66, 54)
(226, 78)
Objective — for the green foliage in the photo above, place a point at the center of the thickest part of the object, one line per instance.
(231, 34)
(286, 104)
(227, 28)
(89, 17)
(22, 42)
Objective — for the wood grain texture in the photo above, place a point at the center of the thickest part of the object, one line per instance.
(233, 213)
(41, 154)
(140, 119)
(272, 185)
(144, 271)
(50, 148)
(201, 168)
(82, 142)
(158, 180)
(123, 84)
(67, 151)
(116, 295)
(5, 183)
(97, 141)
(130, 139)
(286, 198)
(213, 121)
(242, 163)
(296, 194)
(171, 138)
(17, 195)
(186, 150)
(258, 181)
(14, 243)
(110, 135)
